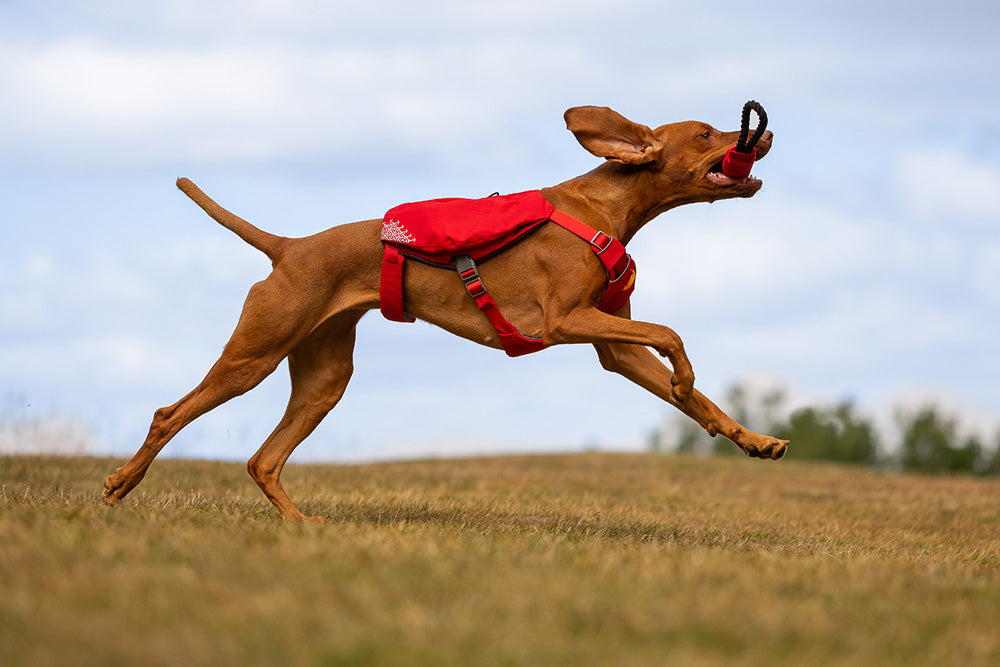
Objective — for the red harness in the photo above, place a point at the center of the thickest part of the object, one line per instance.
(456, 233)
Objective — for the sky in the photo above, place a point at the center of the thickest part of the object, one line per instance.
(866, 269)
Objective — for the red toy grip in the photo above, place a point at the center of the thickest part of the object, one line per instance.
(738, 165)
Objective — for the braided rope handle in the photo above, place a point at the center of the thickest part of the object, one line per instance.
(744, 146)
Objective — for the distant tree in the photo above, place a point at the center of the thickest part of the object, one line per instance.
(991, 464)
(655, 441)
(931, 444)
(831, 434)
(967, 457)
(691, 438)
(737, 402)
(755, 411)
(684, 436)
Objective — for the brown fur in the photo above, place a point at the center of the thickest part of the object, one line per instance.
(548, 286)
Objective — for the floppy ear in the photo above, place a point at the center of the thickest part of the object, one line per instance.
(608, 134)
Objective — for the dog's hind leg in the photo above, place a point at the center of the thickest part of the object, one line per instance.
(320, 368)
(270, 325)
(227, 379)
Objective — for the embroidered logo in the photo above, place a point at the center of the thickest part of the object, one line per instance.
(394, 231)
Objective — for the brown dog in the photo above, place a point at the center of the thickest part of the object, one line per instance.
(321, 285)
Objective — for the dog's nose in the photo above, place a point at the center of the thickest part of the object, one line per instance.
(764, 145)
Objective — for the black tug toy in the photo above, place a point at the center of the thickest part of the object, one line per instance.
(739, 160)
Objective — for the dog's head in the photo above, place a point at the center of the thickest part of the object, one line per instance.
(680, 161)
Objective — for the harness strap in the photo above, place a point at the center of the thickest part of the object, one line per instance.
(513, 341)
(391, 285)
(609, 250)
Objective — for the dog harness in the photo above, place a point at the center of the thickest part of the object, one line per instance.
(458, 233)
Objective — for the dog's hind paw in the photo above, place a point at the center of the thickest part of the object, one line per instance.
(110, 495)
(116, 487)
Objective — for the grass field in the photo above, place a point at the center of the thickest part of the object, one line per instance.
(592, 559)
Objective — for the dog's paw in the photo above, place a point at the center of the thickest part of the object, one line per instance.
(113, 490)
(772, 451)
(119, 484)
(758, 446)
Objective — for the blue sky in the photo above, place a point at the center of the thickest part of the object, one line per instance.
(868, 267)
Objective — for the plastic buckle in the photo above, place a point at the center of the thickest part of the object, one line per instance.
(475, 288)
(469, 274)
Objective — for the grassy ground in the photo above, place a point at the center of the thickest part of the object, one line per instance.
(571, 560)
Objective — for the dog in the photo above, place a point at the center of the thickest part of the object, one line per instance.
(548, 284)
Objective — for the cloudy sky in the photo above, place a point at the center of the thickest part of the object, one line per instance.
(867, 268)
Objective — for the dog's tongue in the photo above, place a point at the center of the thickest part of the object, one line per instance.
(738, 165)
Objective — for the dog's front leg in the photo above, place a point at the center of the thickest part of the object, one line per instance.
(641, 367)
(590, 325)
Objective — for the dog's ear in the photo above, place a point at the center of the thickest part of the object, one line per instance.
(608, 134)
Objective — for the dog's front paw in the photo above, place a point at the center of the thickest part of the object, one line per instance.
(758, 446)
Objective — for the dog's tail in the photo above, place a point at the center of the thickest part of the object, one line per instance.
(269, 244)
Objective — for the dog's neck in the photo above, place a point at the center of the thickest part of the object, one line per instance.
(613, 198)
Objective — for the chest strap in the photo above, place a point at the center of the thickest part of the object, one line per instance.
(513, 341)
(610, 251)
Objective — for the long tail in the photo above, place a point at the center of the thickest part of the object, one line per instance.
(269, 244)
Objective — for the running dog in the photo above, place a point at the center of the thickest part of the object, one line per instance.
(550, 286)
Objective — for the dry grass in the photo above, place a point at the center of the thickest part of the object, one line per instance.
(568, 560)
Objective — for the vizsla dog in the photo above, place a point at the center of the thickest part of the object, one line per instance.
(549, 285)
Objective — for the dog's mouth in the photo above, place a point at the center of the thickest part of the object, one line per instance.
(716, 177)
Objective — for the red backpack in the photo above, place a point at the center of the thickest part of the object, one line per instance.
(457, 233)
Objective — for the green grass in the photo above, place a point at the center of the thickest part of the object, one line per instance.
(591, 559)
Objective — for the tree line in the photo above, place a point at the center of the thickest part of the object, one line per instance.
(930, 440)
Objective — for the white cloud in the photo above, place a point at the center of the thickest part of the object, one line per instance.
(750, 250)
(946, 184)
(79, 97)
(263, 82)
(869, 328)
(134, 103)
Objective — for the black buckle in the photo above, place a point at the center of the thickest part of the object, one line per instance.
(469, 274)
(608, 240)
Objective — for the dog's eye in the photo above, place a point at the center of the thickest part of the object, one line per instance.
(705, 135)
